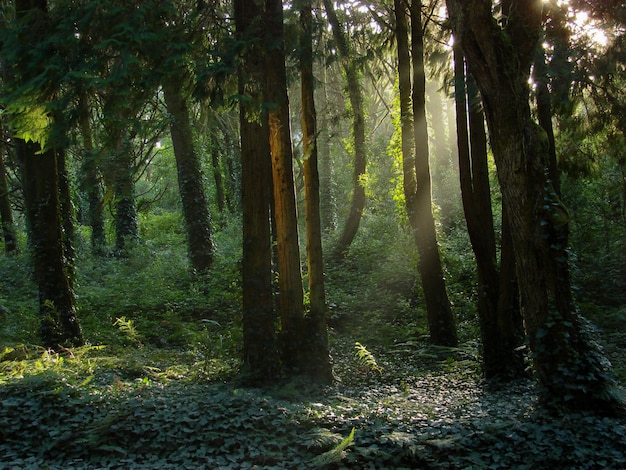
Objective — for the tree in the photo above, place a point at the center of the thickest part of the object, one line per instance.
(91, 178)
(495, 304)
(290, 289)
(316, 330)
(499, 55)
(355, 95)
(416, 172)
(190, 181)
(6, 214)
(42, 173)
(261, 361)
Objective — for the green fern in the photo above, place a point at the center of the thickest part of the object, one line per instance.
(336, 454)
(366, 359)
(127, 328)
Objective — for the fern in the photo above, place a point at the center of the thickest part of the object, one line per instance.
(336, 454)
(127, 328)
(366, 359)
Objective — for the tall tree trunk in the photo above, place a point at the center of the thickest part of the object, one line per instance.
(6, 214)
(355, 95)
(261, 361)
(499, 57)
(42, 199)
(290, 290)
(66, 211)
(498, 336)
(190, 180)
(440, 318)
(58, 322)
(121, 171)
(316, 330)
(327, 189)
(217, 176)
(91, 180)
(544, 114)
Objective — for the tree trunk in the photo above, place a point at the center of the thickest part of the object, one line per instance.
(58, 322)
(498, 337)
(355, 95)
(126, 224)
(261, 361)
(318, 366)
(6, 214)
(290, 290)
(190, 180)
(91, 181)
(544, 114)
(323, 145)
(217, 176)
(42, 192)
(569, 369)
(440, 318)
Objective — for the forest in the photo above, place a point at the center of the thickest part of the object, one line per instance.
(312, 234)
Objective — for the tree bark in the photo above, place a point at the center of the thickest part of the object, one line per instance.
(318, 366)
(91, 181)
(190, 180)
(42, 199)
(6, 214)
(439, 312)
(499, 57)
(261, 361)
(498, 336)
(290, 289)
(355, 95)
(58, 322)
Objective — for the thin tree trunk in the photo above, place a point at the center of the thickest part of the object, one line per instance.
(6, 214)
(126, 224)
(217, 176)
(91, 181)
(498, 336)
(190, 180)
(290, 289)
(544, 114)
(439, 312)
(316, 330)
(355, 95)
(261, 361)
(327, 193)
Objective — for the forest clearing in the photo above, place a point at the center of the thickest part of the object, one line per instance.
(335, 234)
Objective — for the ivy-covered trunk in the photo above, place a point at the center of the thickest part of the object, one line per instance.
(567, 365)
(190, 180)
(123, 173)
(6, 214)
(260, 355)
(91, 180)
(58, 322)
(355, 95)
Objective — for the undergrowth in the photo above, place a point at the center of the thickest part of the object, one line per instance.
(154, 387)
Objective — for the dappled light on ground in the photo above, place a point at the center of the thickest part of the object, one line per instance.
(412, 413)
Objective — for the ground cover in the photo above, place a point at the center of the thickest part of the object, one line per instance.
(420, 407)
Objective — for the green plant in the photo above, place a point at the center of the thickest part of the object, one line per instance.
(366, 359)
(128, 330)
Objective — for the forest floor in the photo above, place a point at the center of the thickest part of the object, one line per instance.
(157, 386)
(411, 406)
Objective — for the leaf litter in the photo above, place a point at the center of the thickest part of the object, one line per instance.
(431, 414)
